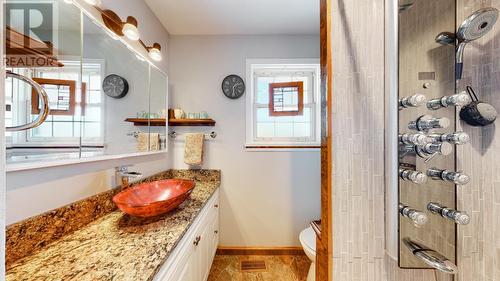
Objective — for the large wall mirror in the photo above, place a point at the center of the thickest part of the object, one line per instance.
(94, 82)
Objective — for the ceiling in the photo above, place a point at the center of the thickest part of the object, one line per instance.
(237, 17)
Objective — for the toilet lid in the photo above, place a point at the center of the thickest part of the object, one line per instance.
(308, 238)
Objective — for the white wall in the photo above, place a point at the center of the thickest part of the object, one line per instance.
(33, 192)
(267, 198)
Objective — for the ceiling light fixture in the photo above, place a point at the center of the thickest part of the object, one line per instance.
(155, 52)
(130, 29)
(93, 2)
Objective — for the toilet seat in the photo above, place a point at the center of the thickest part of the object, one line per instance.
(308, 240)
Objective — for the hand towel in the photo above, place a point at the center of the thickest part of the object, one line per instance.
(193, 149)
(142, 142)
(148, 142)
(154, 141)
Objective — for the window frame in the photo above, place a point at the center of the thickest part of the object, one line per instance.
(252, 142)
(26, 139)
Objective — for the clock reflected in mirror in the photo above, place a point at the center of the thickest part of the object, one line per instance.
(115, 86)
(233, 86)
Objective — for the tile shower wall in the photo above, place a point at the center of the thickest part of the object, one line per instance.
(479, 241)
(358, 140)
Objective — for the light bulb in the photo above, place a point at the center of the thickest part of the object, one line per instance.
(93, 2)
(155, 52)
(130, 29)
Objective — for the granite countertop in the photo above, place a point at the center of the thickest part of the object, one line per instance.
(114, 246)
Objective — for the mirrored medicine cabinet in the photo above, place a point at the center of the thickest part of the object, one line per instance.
(93, 82)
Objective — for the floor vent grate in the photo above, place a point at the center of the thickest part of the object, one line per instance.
(253, 265)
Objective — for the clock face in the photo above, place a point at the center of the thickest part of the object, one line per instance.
(115, 86)
(233, 86)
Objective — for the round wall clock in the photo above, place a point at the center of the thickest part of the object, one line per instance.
(115, 86)
(233, 86)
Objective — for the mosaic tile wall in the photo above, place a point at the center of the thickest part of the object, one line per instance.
(479, 242)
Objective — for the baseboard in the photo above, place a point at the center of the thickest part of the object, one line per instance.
(260, 251)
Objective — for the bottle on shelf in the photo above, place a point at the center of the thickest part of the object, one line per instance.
(458, 178)
(448, 213)
(417, 217)
(460, 99)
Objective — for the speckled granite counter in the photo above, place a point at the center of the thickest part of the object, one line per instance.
(116, 246)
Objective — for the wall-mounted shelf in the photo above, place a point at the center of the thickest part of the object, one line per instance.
(171, 122)
(191, 122)
(146, 121)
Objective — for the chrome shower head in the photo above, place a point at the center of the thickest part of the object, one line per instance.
(474, 27)
(445, 38)
(477, 24)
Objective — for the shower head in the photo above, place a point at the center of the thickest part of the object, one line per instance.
(477, 24)
(405, 5)
(474, 27)
(445, 38)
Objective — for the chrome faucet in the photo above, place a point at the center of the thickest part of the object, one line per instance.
(123, 175)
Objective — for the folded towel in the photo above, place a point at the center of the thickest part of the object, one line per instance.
(148, 142)
(142, 142)
(193, 149)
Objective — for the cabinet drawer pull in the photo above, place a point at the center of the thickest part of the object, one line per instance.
(197, 240)
(216, 232)
(216, 206)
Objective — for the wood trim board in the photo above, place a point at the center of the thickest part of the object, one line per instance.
(260, 251)
(324, 243)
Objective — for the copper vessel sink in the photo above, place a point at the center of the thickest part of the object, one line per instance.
(153, 198)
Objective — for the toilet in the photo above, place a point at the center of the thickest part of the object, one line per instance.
(308, 241)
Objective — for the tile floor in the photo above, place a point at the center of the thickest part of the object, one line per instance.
(278, 268)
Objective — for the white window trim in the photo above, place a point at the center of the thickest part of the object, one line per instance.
(251, 65)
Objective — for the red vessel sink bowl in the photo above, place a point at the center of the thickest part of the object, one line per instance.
(153, 198)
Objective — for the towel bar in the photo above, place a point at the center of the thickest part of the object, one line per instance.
(174, 134)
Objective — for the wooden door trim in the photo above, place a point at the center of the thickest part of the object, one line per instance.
(324, 244)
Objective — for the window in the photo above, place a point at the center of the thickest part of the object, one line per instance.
(283, 107)
(73, 115)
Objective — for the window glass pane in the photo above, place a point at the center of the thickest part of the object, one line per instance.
(44, 130)
(63, 129)
(94, 96)
(265, 130)
(301, 130)
(283, 129)
(263, 89)
(92, 113)
(91, 130)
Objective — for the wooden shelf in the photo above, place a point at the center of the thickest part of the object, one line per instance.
(171, 122)
(191, 122)
(146, 121)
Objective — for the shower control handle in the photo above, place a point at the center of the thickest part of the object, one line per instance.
(460, 99)
(453, 138)
(430, 150)
(426, 123)
(417, 217)
(412, 101)
(453, 215)
(418, 138)
(413, 176)
(458, 178)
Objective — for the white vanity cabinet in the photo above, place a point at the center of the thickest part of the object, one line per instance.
(192, 257)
